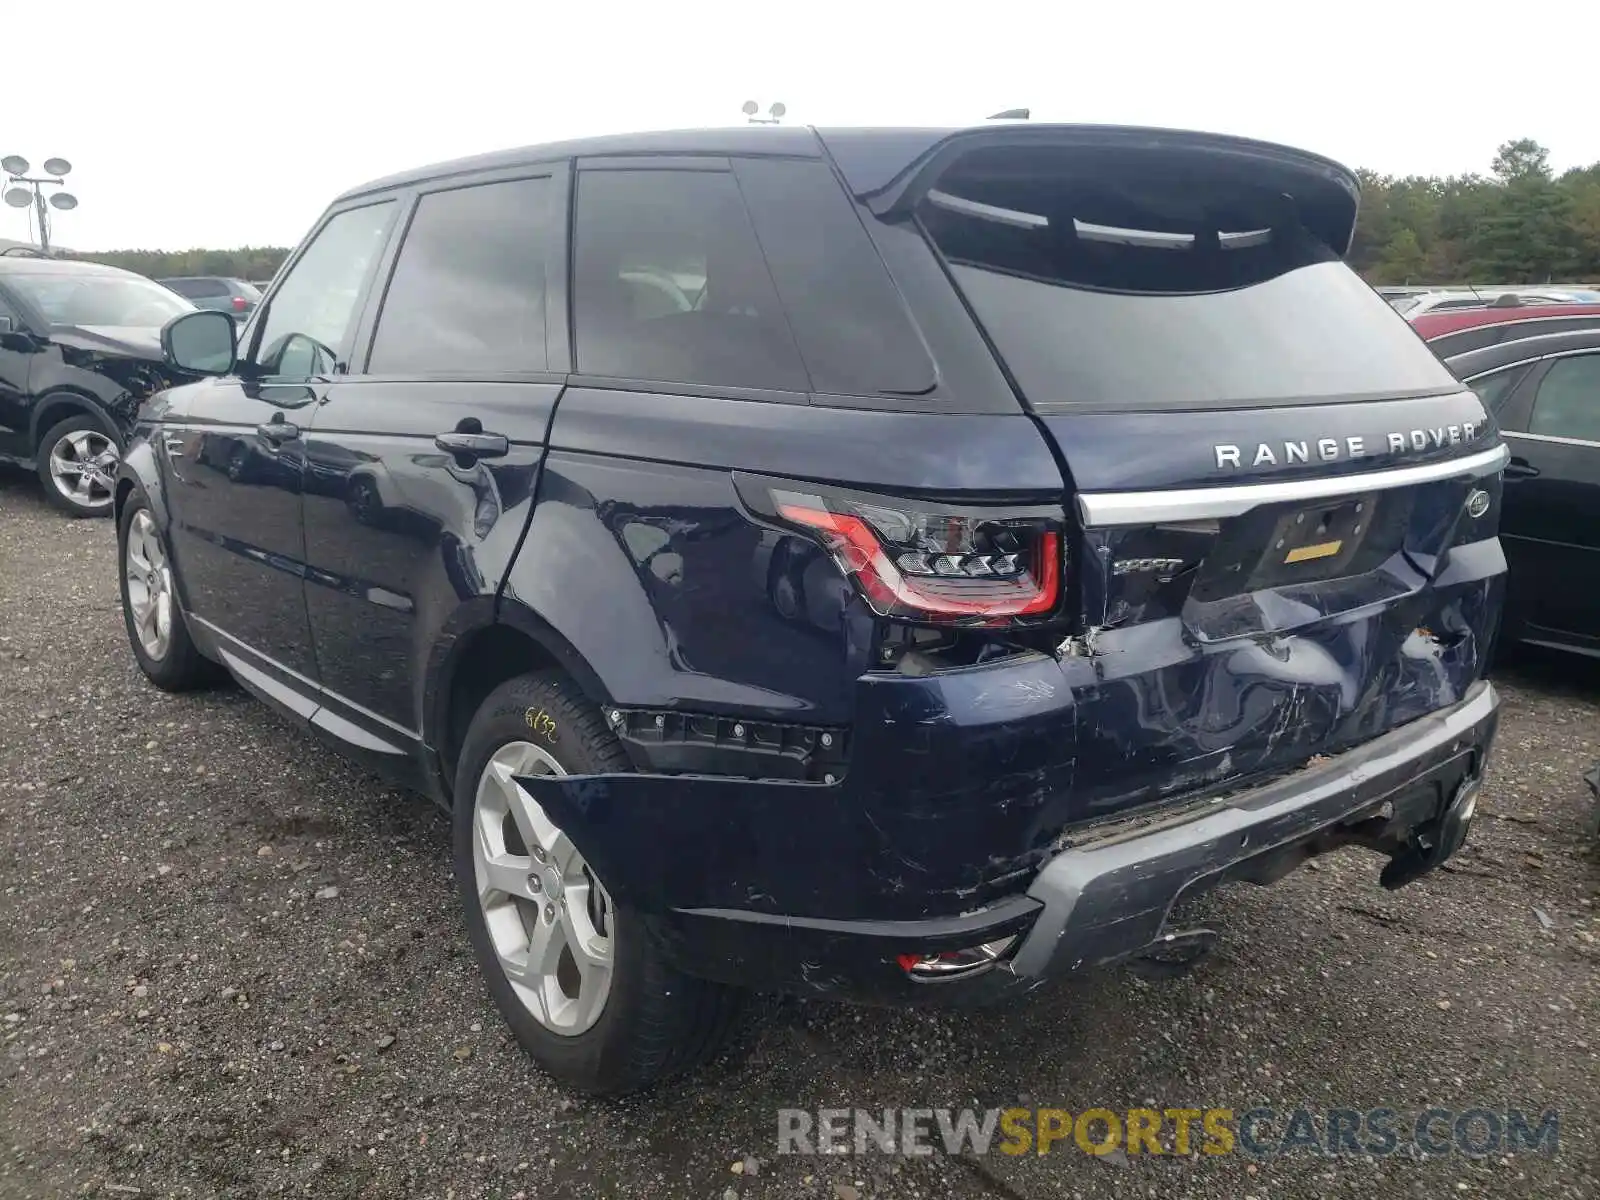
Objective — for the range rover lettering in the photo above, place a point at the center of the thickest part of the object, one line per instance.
(890, 565)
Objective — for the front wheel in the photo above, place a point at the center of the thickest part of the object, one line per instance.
(574, 974)
(77, 464)
(150, 609)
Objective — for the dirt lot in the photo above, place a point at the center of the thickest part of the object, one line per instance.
(189, 1009)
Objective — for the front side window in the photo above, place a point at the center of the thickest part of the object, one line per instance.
(1567, 403)
(312, 318)
(95, 299)
(669, 284)
(468, 290)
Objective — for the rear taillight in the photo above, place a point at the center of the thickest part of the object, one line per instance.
(927, 561)
(240, 304)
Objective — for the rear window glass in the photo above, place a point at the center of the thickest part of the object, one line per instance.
(196, 288)
(1142, 292)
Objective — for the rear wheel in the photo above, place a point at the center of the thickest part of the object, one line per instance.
(150, 609)
(77, 463)
(583, 987)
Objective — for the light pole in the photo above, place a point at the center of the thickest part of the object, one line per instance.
(774, 114)
(23, 189)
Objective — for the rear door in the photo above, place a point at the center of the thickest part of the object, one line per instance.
(421, 462)
(1271, 472)
(1551, 526)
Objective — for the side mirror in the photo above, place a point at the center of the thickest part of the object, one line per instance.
(205, 342)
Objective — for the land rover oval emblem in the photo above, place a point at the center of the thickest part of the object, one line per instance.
(1477, 502)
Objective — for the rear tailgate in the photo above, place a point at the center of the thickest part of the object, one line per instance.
(1287, 506)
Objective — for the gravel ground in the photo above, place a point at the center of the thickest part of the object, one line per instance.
(231, 965)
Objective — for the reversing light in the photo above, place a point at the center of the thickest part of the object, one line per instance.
(949, 965)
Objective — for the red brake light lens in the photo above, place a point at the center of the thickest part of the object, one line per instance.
(960, 566)
(238, 304)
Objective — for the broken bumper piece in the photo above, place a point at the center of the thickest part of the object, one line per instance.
(1411, 793)
(765, 885)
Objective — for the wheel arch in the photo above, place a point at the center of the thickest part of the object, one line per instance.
(55, 406)
(481, 647)
(138, 470)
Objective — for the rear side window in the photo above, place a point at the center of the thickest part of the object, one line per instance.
(1135, 285)
(852, 328)
(1493, 388)
(468, 290)
(669, 283)
(1567, 403)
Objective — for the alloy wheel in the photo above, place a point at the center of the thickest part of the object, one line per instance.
(549, 919)
(149, 586)
(83, 467)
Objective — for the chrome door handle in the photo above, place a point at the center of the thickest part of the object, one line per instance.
(473, 445)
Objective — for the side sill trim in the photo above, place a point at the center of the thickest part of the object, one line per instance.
(1100, 510)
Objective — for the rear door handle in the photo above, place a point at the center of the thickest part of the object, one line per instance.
(278, 432)
(1520, 468)
(473, 445)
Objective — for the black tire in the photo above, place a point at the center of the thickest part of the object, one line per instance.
(656, 1021)
(181, 668)
(78, 422)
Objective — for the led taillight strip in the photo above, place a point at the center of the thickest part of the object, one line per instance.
(858, 551)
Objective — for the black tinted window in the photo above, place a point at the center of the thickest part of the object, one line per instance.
(853, 330)
(1475, 338)
(1568, 401)
(196, 288)
(468, 290)
(669, 284)
(1493, 389)
(1164, 290)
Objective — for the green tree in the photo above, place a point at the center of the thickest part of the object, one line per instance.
(1403, 259)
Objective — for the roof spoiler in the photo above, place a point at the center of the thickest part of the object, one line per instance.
(891, 171)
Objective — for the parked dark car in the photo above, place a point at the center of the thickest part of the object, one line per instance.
(1545, 394)
(215, 291)
(893, 565)
(79, 349)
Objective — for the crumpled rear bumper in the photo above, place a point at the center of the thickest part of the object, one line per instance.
(1104, 901)
(1107, 896)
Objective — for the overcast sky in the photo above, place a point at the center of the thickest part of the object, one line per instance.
(234, 122)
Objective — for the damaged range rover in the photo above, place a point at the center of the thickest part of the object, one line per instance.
(79, 350)
(889, 565)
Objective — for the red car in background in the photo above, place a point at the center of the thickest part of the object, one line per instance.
(1458, 330)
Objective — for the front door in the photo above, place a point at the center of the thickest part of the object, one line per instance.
(236, 456)
(1551, 524)
(420, 467)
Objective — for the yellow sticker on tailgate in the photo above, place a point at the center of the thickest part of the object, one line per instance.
(1307, 553)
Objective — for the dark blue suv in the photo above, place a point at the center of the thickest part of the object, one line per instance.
(893, 565)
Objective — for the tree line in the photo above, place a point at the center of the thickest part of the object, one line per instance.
(1521, 223)
(247, 262)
